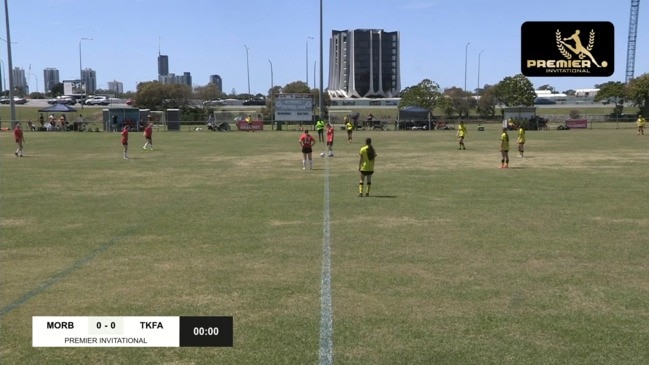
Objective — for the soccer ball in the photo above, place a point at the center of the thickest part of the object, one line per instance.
(321, 154)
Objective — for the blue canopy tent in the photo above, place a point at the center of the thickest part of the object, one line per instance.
(58, 108)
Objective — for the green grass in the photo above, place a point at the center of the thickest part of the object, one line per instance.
(451, 261)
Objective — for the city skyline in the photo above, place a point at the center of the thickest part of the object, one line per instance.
(433, 35)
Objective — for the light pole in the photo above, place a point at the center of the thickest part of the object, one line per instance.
(466, 97)
(272, 114)
(80, 67)
(4, 77)
(12, 104)
(247, 68)
(307, 60)
(314, 63)
(36, 77)
(477, 91)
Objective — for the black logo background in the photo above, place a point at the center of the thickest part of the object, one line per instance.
(538, 42)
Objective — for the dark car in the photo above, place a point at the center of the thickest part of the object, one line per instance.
(255, 102)
(544, 101)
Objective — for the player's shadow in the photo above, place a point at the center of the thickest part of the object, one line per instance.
(382, 196)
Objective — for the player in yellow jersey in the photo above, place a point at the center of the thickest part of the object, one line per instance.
(504, 149)
(366, 166)
(521, 141)
(461, 133)
(640, 122)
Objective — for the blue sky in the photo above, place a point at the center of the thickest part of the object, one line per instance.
(206, 37)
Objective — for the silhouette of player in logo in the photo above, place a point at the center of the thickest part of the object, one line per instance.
(579, 49)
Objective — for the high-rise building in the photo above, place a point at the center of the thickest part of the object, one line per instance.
(116, 86)
(89, 79)
(364, 63)
(163, 65)
(20, 82)
(216, 80)
(50, 78)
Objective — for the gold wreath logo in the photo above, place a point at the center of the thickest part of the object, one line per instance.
(577, 47)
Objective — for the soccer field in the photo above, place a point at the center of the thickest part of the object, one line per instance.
(450, 261)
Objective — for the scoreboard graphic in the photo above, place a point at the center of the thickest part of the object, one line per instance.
(147, 331)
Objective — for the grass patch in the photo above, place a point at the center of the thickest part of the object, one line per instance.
(452, 260)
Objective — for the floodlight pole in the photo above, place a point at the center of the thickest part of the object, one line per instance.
(12, 104)
(248, 70)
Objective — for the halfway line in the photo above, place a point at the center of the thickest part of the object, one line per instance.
(326, 313)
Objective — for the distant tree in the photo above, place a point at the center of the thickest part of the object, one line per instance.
(638, 92)
(57, 89)
(424, 95)
(570, 92)
(156, 96)
(36, 95)
(208, 92)
(487, 102)
(614, 90)
(461, 101)
(296, 87)
(515, 91)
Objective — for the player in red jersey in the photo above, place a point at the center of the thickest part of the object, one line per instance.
(125, 141)
(148, 132)
(307, 142)
(330, 139)
(20, 139)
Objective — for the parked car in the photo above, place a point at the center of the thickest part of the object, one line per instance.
(130, 102)
(541, 101)
(64, 99)
(215, 102)
(17, 100)
(97, 100)
(255, 102)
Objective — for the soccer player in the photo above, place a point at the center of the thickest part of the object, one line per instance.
(125, 141)
(461, 133)
(350, 128)
(640, 122)
(366, 166)
(504, 149)
(320, 126)
(521, 141)
(20, 139)
(148, 132)
(307, 142)
(249, 123)
(330, 139)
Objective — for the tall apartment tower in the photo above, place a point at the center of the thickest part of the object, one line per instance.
(216, 80)
(20, 82)
(116, 86)
(89, 78)
(163, 65)
(364, 63)
(50, 78)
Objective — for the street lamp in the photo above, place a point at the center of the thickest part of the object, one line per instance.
(466, 97)
(466, 50)
(307, 60)
(247, 69)
(80, 67)
(36, 77)
(12, 104)
(272, 114)
(478, 89)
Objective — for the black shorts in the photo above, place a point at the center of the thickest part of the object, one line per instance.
(367, 173)
(330, 143)
(307, 149)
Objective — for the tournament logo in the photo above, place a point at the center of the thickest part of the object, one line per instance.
(567, 49)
